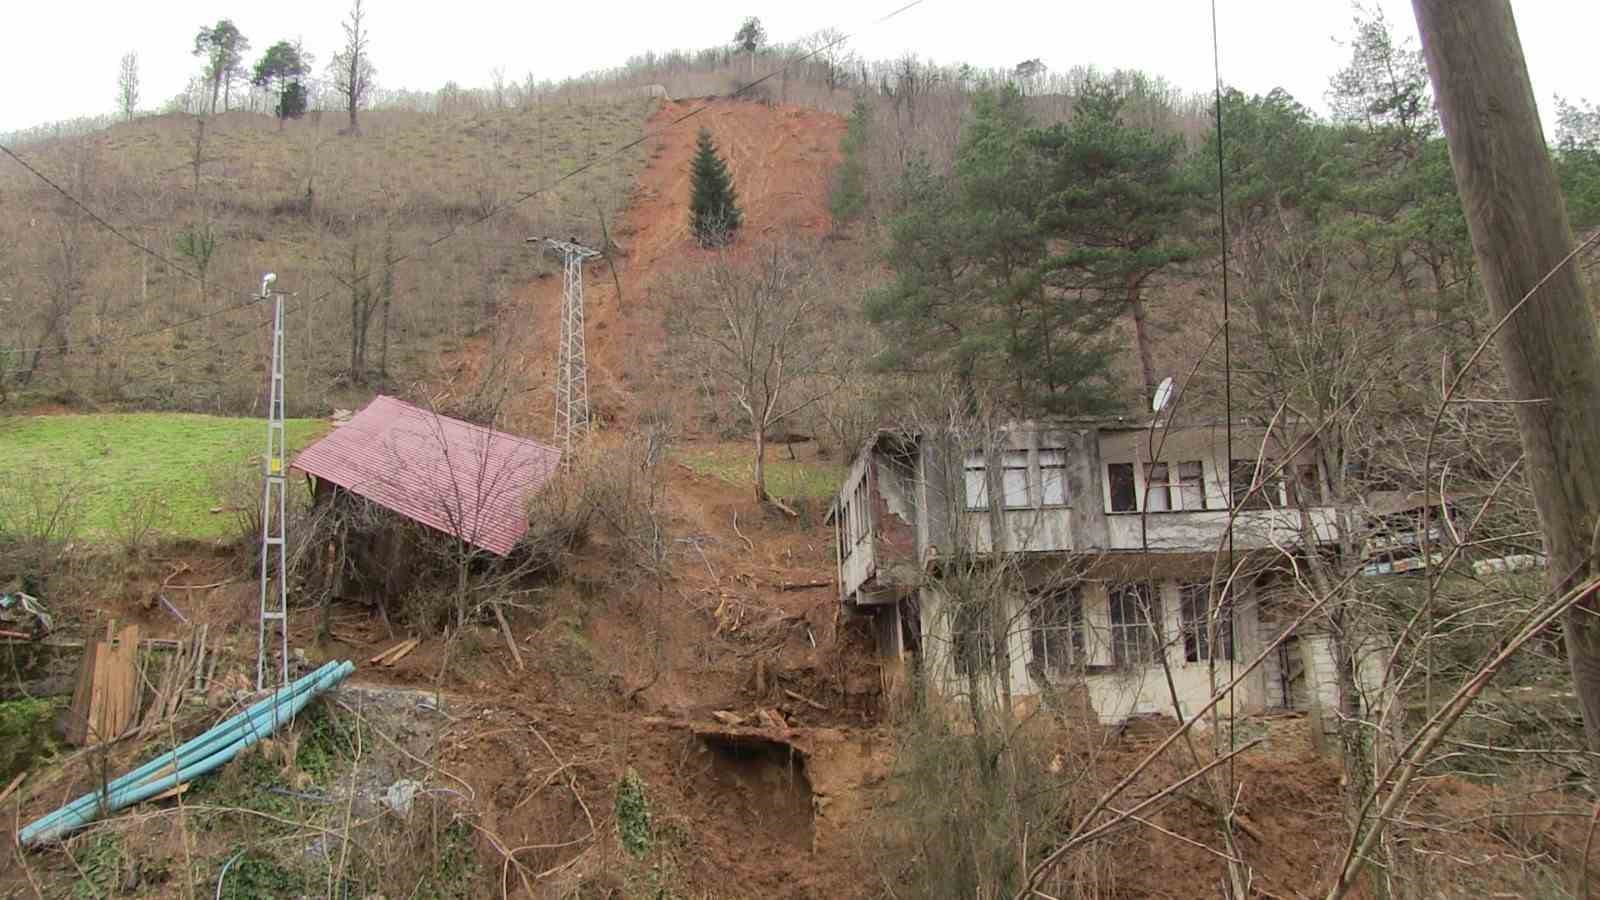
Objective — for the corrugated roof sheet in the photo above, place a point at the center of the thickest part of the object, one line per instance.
(462, 479)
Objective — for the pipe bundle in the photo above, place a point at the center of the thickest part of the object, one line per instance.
(203, 754)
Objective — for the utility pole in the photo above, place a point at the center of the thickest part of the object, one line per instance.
(572, 371)
(274, 610)
(1523, 244)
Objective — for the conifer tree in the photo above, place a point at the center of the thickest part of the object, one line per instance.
(713, 205)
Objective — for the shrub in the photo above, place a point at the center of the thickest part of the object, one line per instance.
(633, 815)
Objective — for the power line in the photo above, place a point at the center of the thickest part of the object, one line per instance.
(98, 219)
(452, 232)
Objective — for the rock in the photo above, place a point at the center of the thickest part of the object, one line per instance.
(400, 795)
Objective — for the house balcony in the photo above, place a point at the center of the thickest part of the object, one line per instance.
(1206, 530)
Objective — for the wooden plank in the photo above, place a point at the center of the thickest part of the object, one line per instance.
(127, 675)
(385, 654)
(400, 652)
(78, 709)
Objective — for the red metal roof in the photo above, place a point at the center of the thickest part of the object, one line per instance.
(453, 476)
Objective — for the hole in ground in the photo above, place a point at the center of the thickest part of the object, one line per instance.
(761, 782)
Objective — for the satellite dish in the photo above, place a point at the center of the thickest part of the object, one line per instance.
(1163, 395)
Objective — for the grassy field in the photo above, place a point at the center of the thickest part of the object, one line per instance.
(113, 462)
(786, 479)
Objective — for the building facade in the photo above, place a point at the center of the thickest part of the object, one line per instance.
(1081, 562)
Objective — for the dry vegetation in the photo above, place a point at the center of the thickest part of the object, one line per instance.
(348, 223)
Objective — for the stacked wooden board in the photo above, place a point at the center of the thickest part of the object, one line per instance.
(106, 699)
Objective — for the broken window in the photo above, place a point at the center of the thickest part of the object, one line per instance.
(1242, 477)
(841, 526)
(863, 511)
(1157, 494)
(1057, 634)
(1307, 485)
(1053, 477)
(1163, 493)
(1135, 621)
(1194, 612)
(1014, 478)
(976, 476)
(1119, 478)
(1192, 485)
(972, 640)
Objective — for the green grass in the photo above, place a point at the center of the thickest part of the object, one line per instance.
(786, 479)
(115, 461)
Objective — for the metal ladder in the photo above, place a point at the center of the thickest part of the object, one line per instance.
(274, 610)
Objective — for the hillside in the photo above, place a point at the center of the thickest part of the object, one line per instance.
(397, 244)
(660, 694)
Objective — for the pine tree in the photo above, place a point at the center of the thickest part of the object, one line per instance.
(714, 215)
(847, 199)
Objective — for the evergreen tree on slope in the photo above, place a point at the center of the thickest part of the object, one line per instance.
(714, 215)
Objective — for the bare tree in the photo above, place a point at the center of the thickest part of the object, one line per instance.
(128, 85)
(351, 69)
(753, 331)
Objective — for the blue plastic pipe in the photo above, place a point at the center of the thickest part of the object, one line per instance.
(218, 737)
(203, 754)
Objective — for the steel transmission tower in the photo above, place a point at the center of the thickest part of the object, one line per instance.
(274, 613)
(572, 371)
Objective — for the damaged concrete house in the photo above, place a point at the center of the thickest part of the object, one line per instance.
(1063, 561)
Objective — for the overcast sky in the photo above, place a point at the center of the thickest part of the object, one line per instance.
(1265, 43)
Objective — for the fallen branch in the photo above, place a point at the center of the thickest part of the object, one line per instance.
(748, 543)
(805, 585)
(804, 699)
(12, 787)
(505, 629)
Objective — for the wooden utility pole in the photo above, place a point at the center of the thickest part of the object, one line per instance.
(1520, 235)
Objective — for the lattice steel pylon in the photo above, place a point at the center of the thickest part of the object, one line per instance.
(572, 370)
(274, 611)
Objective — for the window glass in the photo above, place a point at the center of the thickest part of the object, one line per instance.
(1135, 618)
(1053, 477)
(1119, 477)
(1157, 495)
(1015, 479)
(1243, 476)
(977, 482)
(1057, 632)
(1199, 631)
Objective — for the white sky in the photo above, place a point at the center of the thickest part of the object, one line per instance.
(1265, 43)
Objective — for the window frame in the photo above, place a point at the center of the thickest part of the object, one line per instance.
(1269, 494)
(1194, 614)
(1137, 641)
(981, 467)
(1065, 616)
(1058, 467)
(1008, 465)
(1111, 487)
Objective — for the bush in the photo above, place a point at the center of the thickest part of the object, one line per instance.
(633, 815)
